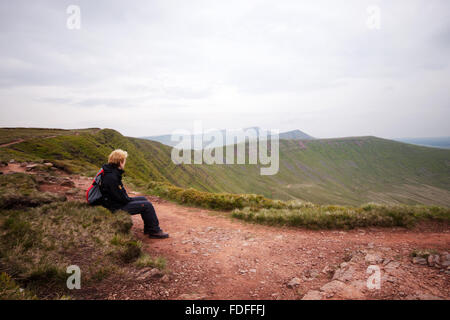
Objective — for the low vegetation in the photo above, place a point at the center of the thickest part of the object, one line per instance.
(41, 234)
(256, 208)
(10, 290)
(82, 152)
(146, 261)
(20, 190)
(8, 135)
(423, 253)
(219, 201)
(38, 244)
(344, 217)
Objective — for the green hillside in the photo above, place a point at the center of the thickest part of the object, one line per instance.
(8, 135)
(348, 171)
(334, 171)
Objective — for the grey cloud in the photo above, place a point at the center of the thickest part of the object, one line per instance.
(204, 56)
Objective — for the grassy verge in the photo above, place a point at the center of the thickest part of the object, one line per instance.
(258, 209)
(145, 261)
(37, 245)
(343, 217)
(20, 190)
(218, 201)
(41, 234)
(10, 290)
(423, 253)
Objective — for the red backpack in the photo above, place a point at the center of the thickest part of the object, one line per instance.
(93, 193)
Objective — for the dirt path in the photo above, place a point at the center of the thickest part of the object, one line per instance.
(218, 258)
(11, 143)
(23, 140)
(211, 256)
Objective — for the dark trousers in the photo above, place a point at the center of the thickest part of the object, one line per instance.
(145, 208)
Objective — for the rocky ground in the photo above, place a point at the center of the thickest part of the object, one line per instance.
(211, 256)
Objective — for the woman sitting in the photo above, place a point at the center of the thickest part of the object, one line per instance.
(115, 197)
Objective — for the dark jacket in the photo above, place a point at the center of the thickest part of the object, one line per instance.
(114, 195)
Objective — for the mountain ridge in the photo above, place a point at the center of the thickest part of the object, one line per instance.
(167, 138)
(349, 171)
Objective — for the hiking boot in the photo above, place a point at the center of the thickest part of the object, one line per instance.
(158, 235)
(148, 231)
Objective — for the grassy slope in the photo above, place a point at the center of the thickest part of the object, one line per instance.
(8, 135)
(346, 171)
(340, 171)
(83, 153)
(41, 234)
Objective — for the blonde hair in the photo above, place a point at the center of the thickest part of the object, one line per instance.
(117, 156)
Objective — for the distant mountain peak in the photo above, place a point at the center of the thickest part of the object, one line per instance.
(295, 135)
(289, 135)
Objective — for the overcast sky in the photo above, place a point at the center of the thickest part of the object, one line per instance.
(151, 67)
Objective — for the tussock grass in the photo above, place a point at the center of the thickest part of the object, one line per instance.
(146, 261)
(131, 251)
(344, 217)
(423, 253)
(221, 201)
(10, 290)
(38, 244)
(20, 190)
(256, 208)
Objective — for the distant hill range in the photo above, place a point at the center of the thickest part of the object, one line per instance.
(437, 142)
(209, 142)
(353, 170)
